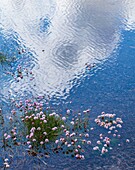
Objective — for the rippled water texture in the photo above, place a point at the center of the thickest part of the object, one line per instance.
(62, 36)
(55, 39)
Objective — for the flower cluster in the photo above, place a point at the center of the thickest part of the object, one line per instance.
(75, 135)
(6, 163)
(112, 124)
(41, 126)
(21, 73)
(68, 134)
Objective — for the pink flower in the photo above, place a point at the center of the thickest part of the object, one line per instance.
(127, 140)
(87, 135)
(96, 148)
(88, 142)
(72, 122)
(44, 133)
(39, 128)
(82, 157)
(62, 126)
(46, 140)
(41, 142)
(76, 150)
(45, 121)
(55, 128)
(8, 136)
(79, 146)
(63, 118)
(98, 142)
(57, 141)
(103, 150)
(68, 111)
(28, 142)
(68, 145)
(5, 134)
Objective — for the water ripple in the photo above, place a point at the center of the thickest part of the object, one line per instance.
(61, 37)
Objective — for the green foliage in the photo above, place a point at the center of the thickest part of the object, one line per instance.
(44, 129)
(2, 58)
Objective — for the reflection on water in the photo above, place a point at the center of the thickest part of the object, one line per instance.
(55, 39)
(64, 35)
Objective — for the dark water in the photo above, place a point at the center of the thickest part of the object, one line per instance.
(55, 39)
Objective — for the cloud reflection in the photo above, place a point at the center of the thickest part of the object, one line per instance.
(65, 35)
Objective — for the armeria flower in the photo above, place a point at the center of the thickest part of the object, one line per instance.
(63, 118)
(6, 159)
(72, 122)
(62, 139)
(98, 142)
(10, 118)
(39, 128)
(75, 140)
(103, 150)
(32, 129)
(68, 145)
(7, 165)
(72, 134)
(5, 134)
(87, 135)
(8, 136)
(77, 155)
(52, 114)
(96, 148)
(27, 136)
(88, 142)
(41, 142)
(79, 146)
(46, 140)
(68, 111)
(28, 142)
(76, 150)
(45, 121)
(41, 104)
(31, 135)
(127, 140)
(82, 156)
(72, 143)
(57, 141)
(114, 135)
(105, 145)
(62, 126)
(55, 128)
(44, 133)
(83, 141)
(119, 126)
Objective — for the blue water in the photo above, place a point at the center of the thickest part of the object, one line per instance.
(55, 40)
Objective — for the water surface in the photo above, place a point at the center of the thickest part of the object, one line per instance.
(57, 40)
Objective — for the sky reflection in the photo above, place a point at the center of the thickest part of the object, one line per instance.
(64, 36)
